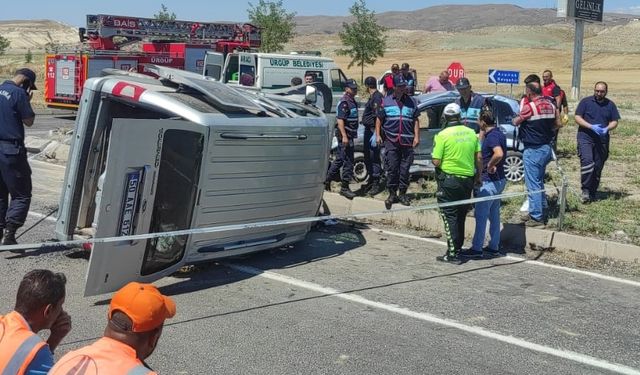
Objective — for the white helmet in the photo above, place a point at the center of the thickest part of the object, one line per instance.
(451, 110)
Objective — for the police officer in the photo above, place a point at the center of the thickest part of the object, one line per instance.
(470, 104)
(346, 133)
(371, 148)
(15, 173)
(456, 156)
(398, 120)
(409, 77)
(596, 116)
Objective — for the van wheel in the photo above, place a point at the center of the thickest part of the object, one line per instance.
(360, 173)
(514, 166)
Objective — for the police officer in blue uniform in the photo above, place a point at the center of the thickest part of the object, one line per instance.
(15, 173)
(371, 148)
(470, 104)
(346, 133)
(398, 121)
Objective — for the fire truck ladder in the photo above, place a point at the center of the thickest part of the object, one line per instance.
(109, 26)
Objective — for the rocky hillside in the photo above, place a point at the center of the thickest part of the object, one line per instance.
(36, 34)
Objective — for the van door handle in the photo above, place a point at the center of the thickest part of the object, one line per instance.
(246, 136)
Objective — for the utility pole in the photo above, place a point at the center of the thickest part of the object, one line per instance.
(577, 59)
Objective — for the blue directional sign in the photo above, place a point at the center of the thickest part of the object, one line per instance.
(509, 77)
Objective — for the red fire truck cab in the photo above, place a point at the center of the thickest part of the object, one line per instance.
(177, 44)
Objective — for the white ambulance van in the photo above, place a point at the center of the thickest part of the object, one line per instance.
(273, 71)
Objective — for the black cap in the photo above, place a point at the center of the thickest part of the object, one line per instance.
(352, 84)
(30, 74)
(463, 83)
(371, 82)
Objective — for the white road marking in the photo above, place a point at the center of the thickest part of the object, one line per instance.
(535, 262)
(40, 216)
(479, 331)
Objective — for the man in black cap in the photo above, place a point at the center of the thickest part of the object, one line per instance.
(470, 104)
(15, 173)
(346, 132)
(371, 148)
(398, 121)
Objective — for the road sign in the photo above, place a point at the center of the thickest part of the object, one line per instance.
(456, 71)
(509, 77)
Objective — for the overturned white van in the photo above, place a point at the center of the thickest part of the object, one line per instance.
(179, 152)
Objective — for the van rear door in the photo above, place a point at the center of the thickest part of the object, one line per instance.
(150, 185)
(213, 63)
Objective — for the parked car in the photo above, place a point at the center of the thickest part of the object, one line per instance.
(431, 107)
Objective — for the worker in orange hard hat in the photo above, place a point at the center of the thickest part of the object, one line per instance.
(136, 316)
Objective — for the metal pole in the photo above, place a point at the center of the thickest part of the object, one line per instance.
(577, 59)
(563, 204)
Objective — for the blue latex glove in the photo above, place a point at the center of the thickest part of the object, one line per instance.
(373, 141)
(597, 129)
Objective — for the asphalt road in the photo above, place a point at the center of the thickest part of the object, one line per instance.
(354, 300)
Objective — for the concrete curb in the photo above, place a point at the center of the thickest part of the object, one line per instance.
(513, 236)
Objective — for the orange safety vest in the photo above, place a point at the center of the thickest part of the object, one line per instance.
(105, 356)
(18, 344)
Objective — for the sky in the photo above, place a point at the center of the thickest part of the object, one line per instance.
(73, 12)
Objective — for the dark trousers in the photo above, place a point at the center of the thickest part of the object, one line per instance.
(344, 161)
(15, 181)
(593, 153)
(450, 189)
(398, 159)
(371, 156)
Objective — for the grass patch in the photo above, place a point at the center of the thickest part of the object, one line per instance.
(627, 128)
(625, 105)
(605, 216)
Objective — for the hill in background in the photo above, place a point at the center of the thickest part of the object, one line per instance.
(452, 18)
(36, 34)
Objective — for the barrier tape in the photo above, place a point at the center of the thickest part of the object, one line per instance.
(261, 224)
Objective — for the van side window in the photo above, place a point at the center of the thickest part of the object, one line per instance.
(338, 80)
(318, 75)
(232, 73)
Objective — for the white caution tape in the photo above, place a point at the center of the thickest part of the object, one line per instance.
(261, 224)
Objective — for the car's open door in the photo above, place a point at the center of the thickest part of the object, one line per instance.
(430, 125)
(149, 185)
(247, 69)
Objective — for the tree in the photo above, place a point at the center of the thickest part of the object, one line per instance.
(364, 39)
(4, 44)
(28, 57)
(275, 23)
(164, 14)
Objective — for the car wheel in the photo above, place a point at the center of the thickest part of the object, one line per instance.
(359, 169)
(514, 166)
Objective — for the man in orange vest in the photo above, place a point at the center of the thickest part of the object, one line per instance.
(136, 316)
(38, 307)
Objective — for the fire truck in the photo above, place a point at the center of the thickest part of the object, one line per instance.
(107, 41)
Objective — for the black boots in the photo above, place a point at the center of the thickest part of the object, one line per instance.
(346, 192)
(10, 238)
(9, 235)
(374, 188)
(403, 199)
(393, 198)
